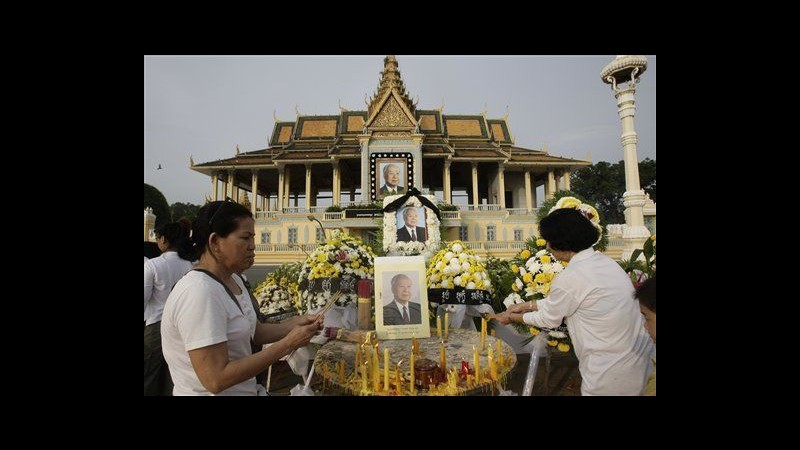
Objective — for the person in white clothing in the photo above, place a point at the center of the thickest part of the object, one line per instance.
(595, 297)
(209, 322)
(160, 274)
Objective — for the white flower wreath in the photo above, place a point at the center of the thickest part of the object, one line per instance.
(394, 248)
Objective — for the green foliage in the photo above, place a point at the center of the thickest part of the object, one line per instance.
(377, 245)
(286, 273)
(548, 204)
(334, 208)
(604, 183)
(648, 266)
(187, 210)
(374, 205)
(156, 200)
(446, 207)
(499, 271)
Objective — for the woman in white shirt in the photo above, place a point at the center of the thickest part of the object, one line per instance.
(595, 297)
(209, 322)
(160, 274)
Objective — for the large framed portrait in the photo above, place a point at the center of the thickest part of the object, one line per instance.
(401, 298)
(411, 230)
(391, 173)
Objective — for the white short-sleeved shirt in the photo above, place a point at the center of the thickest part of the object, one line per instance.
(199, 313)
(596, 298)
(160, 274)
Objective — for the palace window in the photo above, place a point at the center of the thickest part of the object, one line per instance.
(462, 233)
(266, 237)
(517, 235)
(293, 235)
(490, 233)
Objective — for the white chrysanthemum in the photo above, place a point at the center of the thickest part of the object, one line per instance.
(464, 266)
(438, 265)
(470, 285)
(533, 266)
(541, 253)
(447, 270)
(512, 299)
(448, 256)
(558, 334)
(487, 283)
(457, 248)
(522, 271)
(457, 280)
(519, 283)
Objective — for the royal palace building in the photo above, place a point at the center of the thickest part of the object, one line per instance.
(327, 167)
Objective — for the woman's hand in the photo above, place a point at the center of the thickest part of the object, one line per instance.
(522, 308)
(504, 318)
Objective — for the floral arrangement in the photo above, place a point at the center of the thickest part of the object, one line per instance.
(426, 248)
(586, 209)
(457, 266)
(534, 269)
(278, 293)
(334, 266)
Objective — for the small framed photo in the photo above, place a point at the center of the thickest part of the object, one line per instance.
(391, 174)
(401, 298)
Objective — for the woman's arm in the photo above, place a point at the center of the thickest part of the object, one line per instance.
(267, 333)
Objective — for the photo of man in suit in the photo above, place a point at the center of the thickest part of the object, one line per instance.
(410, 231)
(391, 178)
(401, 310)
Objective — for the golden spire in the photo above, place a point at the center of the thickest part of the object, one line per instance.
(390, 79)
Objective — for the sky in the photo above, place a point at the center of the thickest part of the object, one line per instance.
(204, 106)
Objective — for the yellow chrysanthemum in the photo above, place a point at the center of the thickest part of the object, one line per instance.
(541, 242)
(534, 331)
(552, 343)
(525, 254)
(514, 268)
(527, 278)
(546, 259)
(563, 347)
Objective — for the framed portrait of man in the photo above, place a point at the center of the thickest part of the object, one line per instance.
(411, 225)
(401, 298)
(391, 174)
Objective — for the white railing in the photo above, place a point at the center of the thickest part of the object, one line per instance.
(261, 215)
(333, 215)
(295, 210)
(615, 242)
(495, 245)
(318, 209)
(490, 207)
(615, 229)
(517, 211)
(348, 203)
(450, 215)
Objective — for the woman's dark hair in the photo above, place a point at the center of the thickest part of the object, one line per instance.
(646, 293)
(221, 217)
(151, 250)
(568, 229)
(177, 236)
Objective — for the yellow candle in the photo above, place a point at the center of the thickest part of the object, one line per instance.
(492, 367)
(477, 363)
(398, 386)
(341, 372)
(358, 358)
(439, 326)
(411, 384)
(483, 333)
(375, 369)
(443, 359)
(446, 324)
(364, 377)
(386, 370)
(414, 345)
(500, 353)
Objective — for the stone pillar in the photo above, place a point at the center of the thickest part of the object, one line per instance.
(475, 199)
(567, 174)
(229, 189)
(501, 184)
(446, 182)
(551, 185)
(287, 190)
(337, 182)
(254, 202)
(528, 190)
(533, 191)
(149, 222)
(281, 182)
(214, 185)
(308, 187)
(635, 234)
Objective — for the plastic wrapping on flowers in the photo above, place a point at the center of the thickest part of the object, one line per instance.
(534, 269)
(342, 258)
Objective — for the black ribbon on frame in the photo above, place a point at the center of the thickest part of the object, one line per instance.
(412, 192)
(459, 296)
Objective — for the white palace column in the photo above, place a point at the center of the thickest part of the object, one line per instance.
(567, 174)
(214, 185)
(254, 202)
(337, 182)
(624, 69)
(550, 187)
(287, 191)
(446, 182)
(281, 182)
(501, 184)
(229, 189)
(308, 187)
(475, 199)
(528, 197)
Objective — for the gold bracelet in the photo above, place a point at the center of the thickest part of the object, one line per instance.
(531, 305)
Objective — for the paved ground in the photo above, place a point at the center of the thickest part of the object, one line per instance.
(562, 377)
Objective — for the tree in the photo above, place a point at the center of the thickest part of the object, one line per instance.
(188, 210)
(156, 200)
(603, 184)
